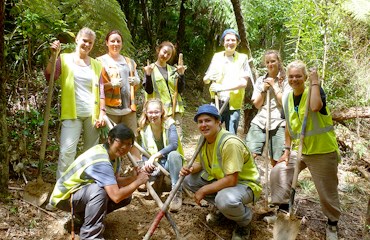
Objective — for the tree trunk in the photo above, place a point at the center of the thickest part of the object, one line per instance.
(146, 23)
(4, 156)
(250, 111)
(181, 29)
(350, 113)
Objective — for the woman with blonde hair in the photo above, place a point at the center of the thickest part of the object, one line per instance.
(82, 100)
(159, 137)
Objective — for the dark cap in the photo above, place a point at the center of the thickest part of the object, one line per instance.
(209, 110)
(229, 31)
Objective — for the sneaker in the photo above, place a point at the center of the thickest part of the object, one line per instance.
(270, 219)
(241, 233)
(50, 207)
(215, 218)
(331, 232)
(176, 203)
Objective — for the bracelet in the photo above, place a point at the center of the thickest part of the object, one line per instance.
(287, 148)
(102, 109)
(315, 84)
(263, 91)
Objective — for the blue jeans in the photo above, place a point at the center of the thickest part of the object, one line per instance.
(173, 164)
(231, 119)
(231, 202)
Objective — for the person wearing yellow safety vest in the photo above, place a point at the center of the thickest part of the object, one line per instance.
(82, 99)
(160, 82)
(224, 173)
(320, 153)
(229, 72)
(91, 187)
(159, 138)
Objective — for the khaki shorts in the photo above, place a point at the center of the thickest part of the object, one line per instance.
(256, 139)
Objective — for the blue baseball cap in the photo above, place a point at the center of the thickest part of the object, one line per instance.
(229, 31)
(209, 110)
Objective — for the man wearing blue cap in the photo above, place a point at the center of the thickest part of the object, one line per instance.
(228, 74)
(223, 174)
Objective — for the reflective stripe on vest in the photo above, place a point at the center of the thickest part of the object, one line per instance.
(71, 180)
(248, 176)
(319, 135)
(165, 92)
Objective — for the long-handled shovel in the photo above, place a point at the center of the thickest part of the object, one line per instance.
(132, 93)
(165, 206)
(267, 149)
(37, 192)
(287, 225)
(176, 92)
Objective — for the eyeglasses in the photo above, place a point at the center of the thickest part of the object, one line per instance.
(124, 145)
(154, 112)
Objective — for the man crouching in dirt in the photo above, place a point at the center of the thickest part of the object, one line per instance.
(224, 173)
(92, 185)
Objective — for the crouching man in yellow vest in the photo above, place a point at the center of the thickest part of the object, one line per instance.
(224, 173)
(91, 185)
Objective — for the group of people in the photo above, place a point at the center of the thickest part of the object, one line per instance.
(224, 172)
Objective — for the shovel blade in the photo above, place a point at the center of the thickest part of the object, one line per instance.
(286, 227)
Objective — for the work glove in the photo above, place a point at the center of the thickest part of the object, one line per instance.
(215, 87)
(104, 132)
(133, 81)
(116, 82)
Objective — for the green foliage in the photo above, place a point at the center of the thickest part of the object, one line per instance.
(265, 23)
(100, 16)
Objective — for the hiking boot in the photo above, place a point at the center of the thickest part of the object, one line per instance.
(176, 203)
(241, 233)
(77, 224)
(331, 232)
(215, 218)
(50, 207)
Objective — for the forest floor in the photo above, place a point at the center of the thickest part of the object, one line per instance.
(21, 220)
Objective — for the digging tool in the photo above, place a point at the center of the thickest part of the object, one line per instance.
(166, 204)
(37, 192)
(287, 225)
(217, 103)
(176, 92)
(267, 149)
(156, 198)
(132, 92)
